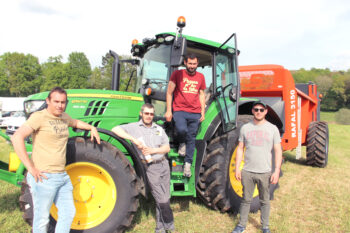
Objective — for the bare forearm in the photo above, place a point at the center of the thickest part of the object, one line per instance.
(83, 125)
(202, 101)
(278, 157)
(239, 157)
(169, 101)
(121, 133)
(161, 150)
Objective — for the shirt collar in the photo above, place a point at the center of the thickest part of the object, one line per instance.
(142, 124)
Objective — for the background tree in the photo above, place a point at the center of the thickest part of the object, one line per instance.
(4, 84)
(126, 69)
(23, 73)
(55, 73)
(98, 81)
(79, 70)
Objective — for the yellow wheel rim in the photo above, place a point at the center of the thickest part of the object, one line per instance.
(237, 185)
(94, 193)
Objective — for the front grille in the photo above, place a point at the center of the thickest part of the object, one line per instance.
(96, 108)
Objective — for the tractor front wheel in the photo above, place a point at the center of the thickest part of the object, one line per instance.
(104, 188)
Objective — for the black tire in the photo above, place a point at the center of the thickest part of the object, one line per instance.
(83, 155)
(26, 202)
(217, 171)
(317, 140)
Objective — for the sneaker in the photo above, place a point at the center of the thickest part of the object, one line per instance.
(266, 230)
(182, 149)
(187, 170)
(238, 229)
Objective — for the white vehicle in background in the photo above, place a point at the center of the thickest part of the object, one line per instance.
(3, 117)
(11, 107)
(14, 122)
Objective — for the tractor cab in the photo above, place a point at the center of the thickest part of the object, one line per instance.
(158, 57)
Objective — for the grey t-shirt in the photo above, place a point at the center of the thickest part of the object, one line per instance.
(153, 136)
(258, 141)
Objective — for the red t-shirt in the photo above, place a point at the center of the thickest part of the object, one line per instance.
(186, 93)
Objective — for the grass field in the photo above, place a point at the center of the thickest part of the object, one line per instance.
(309, 199)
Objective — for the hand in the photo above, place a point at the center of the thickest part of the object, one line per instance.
(94, 134)
(168, 115)
(238, 174)
(148, 151)
(202, 117)
(37, 174)
(275, 176)
(138, 144)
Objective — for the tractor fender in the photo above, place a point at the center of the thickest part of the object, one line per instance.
(276, 110)
(140, 169)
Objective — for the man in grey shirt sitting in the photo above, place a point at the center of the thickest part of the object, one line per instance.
(259, 137)
(152, 143)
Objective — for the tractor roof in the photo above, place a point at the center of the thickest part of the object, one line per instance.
(196, 40)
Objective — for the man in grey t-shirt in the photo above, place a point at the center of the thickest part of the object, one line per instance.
(259, 137)
(152, 144)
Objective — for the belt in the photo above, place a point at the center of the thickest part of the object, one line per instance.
(154, 161)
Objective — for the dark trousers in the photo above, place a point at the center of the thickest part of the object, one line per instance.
(159, 180)
(249, 180)
(186, 124)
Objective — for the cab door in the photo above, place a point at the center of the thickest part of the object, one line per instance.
(226, 83)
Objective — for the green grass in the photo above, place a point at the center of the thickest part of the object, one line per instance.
(309, 199)
(328, 117)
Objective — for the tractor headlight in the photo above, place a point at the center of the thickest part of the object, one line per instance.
(33, 105)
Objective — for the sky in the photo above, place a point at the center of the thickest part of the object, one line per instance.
(295, 34)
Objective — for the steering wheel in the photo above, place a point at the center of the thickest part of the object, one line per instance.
(158, 84)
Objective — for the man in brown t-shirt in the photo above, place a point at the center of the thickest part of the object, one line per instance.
(48, 181)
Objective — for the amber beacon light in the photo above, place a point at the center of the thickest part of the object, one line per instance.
(181, 22)
(134, 42)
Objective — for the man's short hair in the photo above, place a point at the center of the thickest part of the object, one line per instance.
(146, 105)
(57, 89)
(191, 56)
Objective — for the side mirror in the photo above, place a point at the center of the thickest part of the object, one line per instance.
(233, 95)
(178, 51)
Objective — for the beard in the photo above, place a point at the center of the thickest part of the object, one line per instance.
(148, 123)
(191, 70)
(259, 119)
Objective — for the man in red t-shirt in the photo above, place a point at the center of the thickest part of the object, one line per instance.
(186, 103)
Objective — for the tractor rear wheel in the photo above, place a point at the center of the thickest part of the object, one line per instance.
(217, 184)
(317, 139)
(104, 188)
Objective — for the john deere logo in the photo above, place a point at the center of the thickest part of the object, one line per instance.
(107, 96)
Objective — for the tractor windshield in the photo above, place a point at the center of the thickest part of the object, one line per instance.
(154, 67)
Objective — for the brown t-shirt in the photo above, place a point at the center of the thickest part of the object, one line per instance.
(49, 140)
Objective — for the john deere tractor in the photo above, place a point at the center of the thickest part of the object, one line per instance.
(109, 178)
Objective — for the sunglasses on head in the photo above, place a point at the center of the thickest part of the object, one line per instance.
(259, 109)
(148, 113)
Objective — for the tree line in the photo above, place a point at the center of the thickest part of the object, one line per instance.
(22, 75)
(333, 85)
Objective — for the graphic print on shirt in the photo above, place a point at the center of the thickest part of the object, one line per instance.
(190, 86)
(258, 137)
(60, 127)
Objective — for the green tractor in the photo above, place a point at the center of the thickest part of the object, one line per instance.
(109, 178)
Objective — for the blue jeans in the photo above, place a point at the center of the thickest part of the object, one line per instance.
(186, 124)
(56, 189)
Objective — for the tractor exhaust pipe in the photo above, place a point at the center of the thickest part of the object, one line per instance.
(115, 71)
